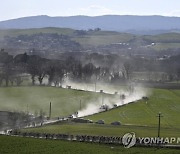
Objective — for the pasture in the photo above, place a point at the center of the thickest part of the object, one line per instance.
(143, 113)
(64, 101)
(19, 145)
(103, 38)
(139, 117)
(17, 32)
(34, 99)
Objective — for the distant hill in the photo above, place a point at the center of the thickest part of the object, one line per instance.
(17, 32)
(126, 23)
(109, 40)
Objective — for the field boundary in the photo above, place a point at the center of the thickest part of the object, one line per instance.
(87, 138)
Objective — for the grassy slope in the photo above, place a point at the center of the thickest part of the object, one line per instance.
(165, 46)
(103, 38)
(64, 101)
(140, 113)
(167, 37)
(16, 32)
(18, 145)
(93, 38)
(165, 41)
(165, 101)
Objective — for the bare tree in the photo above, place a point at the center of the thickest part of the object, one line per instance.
(127, 70)
(42, 70)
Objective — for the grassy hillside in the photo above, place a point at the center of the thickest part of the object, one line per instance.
(18, 145)
(167, 37)
(64, 101)
(164, 41)
(144, 113)
(165, 46)
(103, 38)
(139, 117)
(91, 38)
(17, 32)
(98, 38)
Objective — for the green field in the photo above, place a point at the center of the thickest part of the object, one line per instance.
(98, 38)
(103, 38)
(164, 41)
(64, 101)
(19, 145)
(17, 32)
(165, 46)
(91, 38)
(139, 117)
(167, 37)
(144, 113)
(34, 99)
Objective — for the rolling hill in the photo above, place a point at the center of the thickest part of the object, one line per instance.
(144, 112)
(125, 23)
(139, 117)
(96, 38)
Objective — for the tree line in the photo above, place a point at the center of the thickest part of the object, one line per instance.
(92, 67)
(56, 71)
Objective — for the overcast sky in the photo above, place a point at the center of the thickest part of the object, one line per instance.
(20, 8)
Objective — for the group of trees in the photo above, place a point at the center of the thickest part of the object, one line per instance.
(13, 68)
(92, 67)
(86, 32)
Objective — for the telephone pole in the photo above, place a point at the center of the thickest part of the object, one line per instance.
(50, 110)
(80, 104)
(27, 109)
(159, 123)
(102, 98)
(95, 86)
